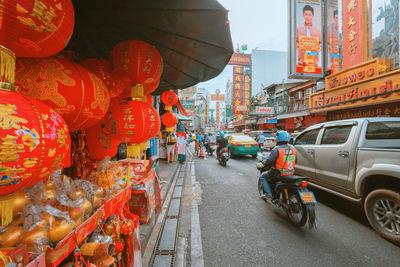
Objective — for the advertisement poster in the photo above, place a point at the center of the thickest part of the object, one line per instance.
(308, 36)
(333, 36)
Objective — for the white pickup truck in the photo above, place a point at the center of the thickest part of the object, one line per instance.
(358, 159)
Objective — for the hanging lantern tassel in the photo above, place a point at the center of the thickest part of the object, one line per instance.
(6, 207)
(168, 108)
(137, 92)
(133, 151)
(7, 65)
(128, 179)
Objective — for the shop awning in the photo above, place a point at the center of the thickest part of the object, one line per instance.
(294, 114)
(192, 36)
(182, 117)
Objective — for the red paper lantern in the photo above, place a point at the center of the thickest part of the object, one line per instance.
(149, 100)
(36, 28)
(134, 122)
(34, 141)
(169, 120)
(150, 87)
(102, 68)
(138, 61)
(169, 98)
(100, 144)
(75, 93)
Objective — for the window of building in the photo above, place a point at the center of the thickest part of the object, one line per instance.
(336, 135)
(385, 29)
(307, 138)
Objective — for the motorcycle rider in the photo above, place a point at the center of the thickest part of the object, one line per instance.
(207, 141)
(283, 158)
(222, 143)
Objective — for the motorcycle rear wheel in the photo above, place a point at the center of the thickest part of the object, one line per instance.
(223, 162)
(297, 213)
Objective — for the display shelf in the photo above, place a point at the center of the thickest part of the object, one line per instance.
(66, 246)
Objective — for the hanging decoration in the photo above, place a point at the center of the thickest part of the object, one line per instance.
(34, 141)
(101, 67)
(138, 61)
(169, 98)
(100, 144)
(36, 28)
(74, 92)
(169, 120)
(7, 65)
(134, 123)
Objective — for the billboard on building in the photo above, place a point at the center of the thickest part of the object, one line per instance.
(247, 87)
(306, 59)
(240, 59)
(217, 97)
(238, 89)
(332, 37)
(265, 111)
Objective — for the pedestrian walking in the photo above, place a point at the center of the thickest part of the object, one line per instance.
(181, 144)
(170, 142)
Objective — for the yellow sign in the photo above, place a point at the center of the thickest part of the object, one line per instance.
(217, 97)
(380, 89)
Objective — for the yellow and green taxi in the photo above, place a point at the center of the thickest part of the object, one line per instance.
(242, 144)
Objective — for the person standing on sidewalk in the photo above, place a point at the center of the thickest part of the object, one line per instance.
(181, 144)
(170, 142)
(261, 140)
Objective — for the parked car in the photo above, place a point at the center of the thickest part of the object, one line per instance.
(270, 139)
(242, 144)
(357, 159)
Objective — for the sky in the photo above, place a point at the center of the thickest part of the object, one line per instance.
(261, 24)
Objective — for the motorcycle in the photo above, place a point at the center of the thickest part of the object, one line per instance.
(210, 149)
(223, 156)
(290, 194)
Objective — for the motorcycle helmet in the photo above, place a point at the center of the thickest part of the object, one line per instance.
(283, 136)
(222, 134)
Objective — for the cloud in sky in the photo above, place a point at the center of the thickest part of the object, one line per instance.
(261, 24)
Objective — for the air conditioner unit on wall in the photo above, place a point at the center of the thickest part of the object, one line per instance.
(298, 95)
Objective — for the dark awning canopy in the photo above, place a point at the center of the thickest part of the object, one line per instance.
(192, 36)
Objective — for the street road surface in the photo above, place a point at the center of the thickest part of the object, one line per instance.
(240, 229)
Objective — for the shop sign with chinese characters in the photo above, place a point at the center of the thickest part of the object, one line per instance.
(353, 33)
(240, 59)
(381, 89)
(237, 97)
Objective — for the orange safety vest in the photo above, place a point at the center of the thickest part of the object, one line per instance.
(286, 161)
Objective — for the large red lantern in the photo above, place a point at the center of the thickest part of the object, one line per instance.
(36, 28)
(169, 98)
(169, 120)
(133, 122)
(34, 141)
(138, 61)
(101, 67)
(76, 93)
(100, 144)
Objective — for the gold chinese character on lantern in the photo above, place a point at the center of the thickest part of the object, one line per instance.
(7, 118)
(128, 118)
(127, 110)
(44, 14)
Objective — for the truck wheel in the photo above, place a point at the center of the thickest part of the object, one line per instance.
(382, 208)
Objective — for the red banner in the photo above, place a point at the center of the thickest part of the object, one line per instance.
(352, 33)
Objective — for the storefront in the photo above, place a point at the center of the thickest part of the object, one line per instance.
(364, 90)
(297, 122)
(267, 124)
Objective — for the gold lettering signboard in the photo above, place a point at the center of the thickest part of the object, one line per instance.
(379, 89)
(358, 73)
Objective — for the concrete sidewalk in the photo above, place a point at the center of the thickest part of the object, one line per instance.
(166, 173)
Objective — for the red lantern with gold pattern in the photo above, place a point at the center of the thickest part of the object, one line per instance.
(169, 98)
(36, 28)
(150, 87)
(100, 144)
(74, 92)
(138, 61)
(34, 141)
(169, 120)
(149, 100)
(134, 122)
(102, 68)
